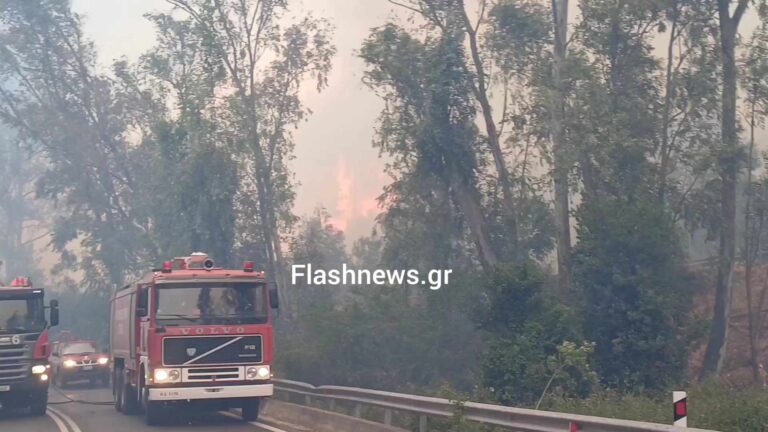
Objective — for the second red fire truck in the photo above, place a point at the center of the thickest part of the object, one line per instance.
(24, 347)
(192, 333)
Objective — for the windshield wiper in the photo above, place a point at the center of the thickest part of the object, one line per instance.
(242, 315)
(179, 316)
(14, 329)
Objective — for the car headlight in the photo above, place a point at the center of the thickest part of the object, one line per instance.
(166, 375)
(69, 363)
(258, 373)
(103, 360)
(38, 369)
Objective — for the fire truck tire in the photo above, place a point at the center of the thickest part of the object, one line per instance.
(251, 409)
(153, 413)
(117, 395)
(129, 405)
(39, 404)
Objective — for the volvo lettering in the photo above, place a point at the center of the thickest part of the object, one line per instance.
(194, 334)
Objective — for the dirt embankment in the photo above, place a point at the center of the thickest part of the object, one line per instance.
(736, 369)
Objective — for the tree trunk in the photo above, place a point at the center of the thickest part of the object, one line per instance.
(559, 149)
(481, 93)
(728, 166)
(465, 198)
(664, 152)
(749, 257)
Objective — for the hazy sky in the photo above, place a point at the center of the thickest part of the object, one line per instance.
(335, 164)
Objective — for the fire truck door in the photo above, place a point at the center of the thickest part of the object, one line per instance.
(143, 303)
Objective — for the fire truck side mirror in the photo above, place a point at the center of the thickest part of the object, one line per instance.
(141, 312)
(54, 306)
(274, 299)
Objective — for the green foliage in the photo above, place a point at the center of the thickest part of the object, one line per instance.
(82, 307)
(520, 34)
(525, 330)
(18, 211)
(319, 244)
(428, 130)
(632, 286)
(712, 405)
(381, 338)
(572, 374)
(457, 422)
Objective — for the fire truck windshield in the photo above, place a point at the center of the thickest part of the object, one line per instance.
(21, 314)
(211, 303)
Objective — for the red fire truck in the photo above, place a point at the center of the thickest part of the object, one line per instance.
(24, 347)
(192, 333)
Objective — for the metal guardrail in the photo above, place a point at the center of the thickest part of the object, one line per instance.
(517, 419)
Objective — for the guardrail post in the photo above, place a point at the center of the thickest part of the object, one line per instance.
(423, 423)
(388, 417)
(357, 410)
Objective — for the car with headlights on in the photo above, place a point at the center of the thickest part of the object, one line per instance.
(79, 360)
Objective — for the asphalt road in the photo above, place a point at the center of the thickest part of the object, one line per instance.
(67, 416)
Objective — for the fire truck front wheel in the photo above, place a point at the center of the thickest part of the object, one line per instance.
(39, 403)
(116, 387)
(126, 396)
(251, 409)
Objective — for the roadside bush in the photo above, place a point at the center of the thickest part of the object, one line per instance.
(526, 331)
(631, 287)
(710, 406)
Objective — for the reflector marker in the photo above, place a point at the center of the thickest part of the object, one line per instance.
(680, 408)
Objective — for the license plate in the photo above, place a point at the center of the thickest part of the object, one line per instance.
(87, 367)
(5, 388)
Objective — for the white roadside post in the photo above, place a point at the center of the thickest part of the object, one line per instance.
(680, 408)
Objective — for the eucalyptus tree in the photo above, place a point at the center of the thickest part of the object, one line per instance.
(451, 18)
(729, 165)
(59, 105)
(560, 160)
(171, 102)
(427, 127)
(629, 277)
(20, 214)
(265, 67)
(319, 244)
(755, 84)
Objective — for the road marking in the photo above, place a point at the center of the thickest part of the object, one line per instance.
(57, 420)
(255, 423)
(71, 423)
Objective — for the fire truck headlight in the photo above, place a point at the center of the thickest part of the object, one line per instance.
(166, 375)
(38, 369)
(257, 372)
(103, 360)
(69, 363)
(44, 377)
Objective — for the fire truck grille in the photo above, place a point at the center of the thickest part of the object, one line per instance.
(15, 359)
(211, 350)
(213, 374)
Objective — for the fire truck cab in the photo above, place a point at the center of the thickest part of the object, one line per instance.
(24, 347)
(195, 334)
